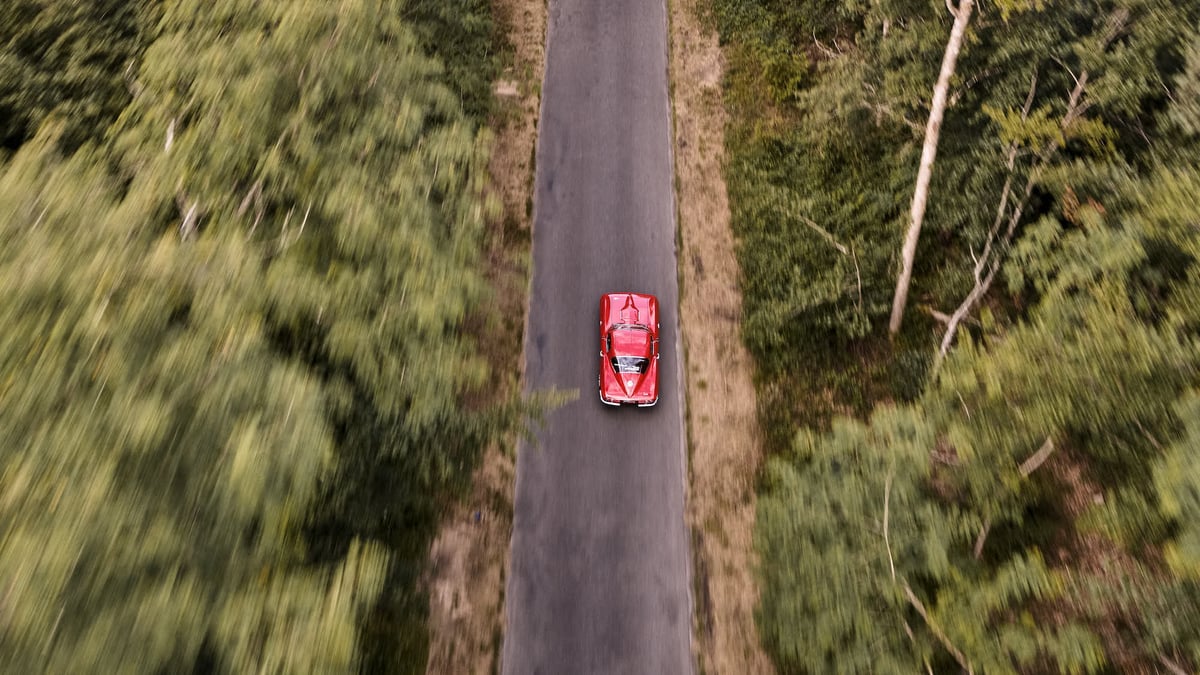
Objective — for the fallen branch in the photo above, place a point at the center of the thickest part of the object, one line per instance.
(842, 248)
(937, 111)
(1038, 458)
(983, 533)
(887, 498)
(937, 631)
(188, 226)
(825, 233)
(1170, 665)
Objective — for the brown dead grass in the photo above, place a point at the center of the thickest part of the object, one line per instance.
(722, 426)
(469, 557)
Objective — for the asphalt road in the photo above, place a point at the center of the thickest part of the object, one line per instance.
(599, 581)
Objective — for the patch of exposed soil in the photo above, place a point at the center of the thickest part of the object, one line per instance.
(468, 560)
(723, 437)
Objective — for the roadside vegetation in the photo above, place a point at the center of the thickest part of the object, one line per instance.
(242, 307)
(1009, 481)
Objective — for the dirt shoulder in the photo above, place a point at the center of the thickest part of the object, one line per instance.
(722, 424)
(468, 560)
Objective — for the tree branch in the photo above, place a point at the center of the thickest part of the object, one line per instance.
(825, 233)
(937, 631)
(188, 226)
(1007, 191)
(887, 499)
(1038, 458)
(882, 110)
(842, 248)
(825, 50)
(1170, 665)
(975, 79)
(253, 195)
(983, 533)
(940, 316)
(857, 278)
(1074, 109)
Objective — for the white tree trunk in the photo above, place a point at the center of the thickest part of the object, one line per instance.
(962, 16)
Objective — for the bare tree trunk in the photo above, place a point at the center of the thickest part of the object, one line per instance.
(962, 16)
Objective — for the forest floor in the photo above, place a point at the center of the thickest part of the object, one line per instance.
(468, 560)
(723, 439)
(469, 557)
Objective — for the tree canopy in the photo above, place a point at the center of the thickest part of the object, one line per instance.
(236, 366)
(1006, 486)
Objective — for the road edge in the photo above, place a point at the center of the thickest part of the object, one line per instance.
(721, 424)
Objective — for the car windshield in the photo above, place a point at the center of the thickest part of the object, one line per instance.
(630, 364)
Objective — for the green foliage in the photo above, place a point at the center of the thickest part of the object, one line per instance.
(835, 160)
(235, 368)
(864, 536)
(68, 60)
(1106, 386)
(836, 606)
(1185, 113)
(1034, 489)
(161, 454)
(463, 36)
(1177, 478)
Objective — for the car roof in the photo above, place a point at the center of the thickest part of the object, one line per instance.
(630, 341)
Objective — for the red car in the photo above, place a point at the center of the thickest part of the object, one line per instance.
(629, 349)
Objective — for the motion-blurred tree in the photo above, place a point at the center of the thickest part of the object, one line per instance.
(72, 60)
(160, 455)
(228, 327)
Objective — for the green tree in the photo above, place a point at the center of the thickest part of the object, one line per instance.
(1094, 391)
(160, 455)
(868, 565)
(70, 60)
(819, 181)
(1043, 473)
(235, 385)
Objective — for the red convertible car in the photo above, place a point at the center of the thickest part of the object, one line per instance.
(629, 349)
